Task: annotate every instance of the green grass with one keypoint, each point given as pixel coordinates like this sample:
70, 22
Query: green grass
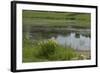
47, 50
40, 18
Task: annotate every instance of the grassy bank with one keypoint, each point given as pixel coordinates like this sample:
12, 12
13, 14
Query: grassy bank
56, 19
48, 50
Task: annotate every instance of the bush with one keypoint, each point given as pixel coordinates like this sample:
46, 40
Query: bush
51, 50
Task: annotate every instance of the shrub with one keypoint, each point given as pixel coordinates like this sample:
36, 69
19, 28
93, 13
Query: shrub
51, 50
47, 48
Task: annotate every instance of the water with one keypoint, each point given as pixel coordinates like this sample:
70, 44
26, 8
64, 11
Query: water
77, 40
78, 43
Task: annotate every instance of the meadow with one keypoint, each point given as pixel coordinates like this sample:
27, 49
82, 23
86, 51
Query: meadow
41, 30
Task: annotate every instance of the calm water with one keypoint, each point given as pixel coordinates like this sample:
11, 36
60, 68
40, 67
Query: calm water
77, 40
78, 43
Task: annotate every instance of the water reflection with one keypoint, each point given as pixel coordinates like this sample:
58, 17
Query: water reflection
77, 40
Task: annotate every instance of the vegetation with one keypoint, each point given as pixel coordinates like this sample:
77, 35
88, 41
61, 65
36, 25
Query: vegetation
56, 19
48, 50
44, 22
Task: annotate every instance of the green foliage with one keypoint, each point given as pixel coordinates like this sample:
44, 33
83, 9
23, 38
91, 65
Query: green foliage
40, 18
47, 47
47, 50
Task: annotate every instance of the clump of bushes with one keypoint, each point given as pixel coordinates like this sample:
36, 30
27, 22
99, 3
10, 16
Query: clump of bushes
47, 48
51, 50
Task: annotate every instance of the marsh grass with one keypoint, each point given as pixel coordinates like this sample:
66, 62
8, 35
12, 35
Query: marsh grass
47, 50
53, 19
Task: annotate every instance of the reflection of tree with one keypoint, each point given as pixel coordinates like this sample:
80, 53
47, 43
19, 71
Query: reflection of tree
77, 35
86, 35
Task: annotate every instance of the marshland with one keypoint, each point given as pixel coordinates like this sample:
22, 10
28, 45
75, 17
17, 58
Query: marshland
55, 36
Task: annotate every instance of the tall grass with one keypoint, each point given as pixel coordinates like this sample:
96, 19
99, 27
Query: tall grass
47, 50
52, 19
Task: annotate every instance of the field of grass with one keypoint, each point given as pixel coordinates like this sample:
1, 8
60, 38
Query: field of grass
40, 18
47, 49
